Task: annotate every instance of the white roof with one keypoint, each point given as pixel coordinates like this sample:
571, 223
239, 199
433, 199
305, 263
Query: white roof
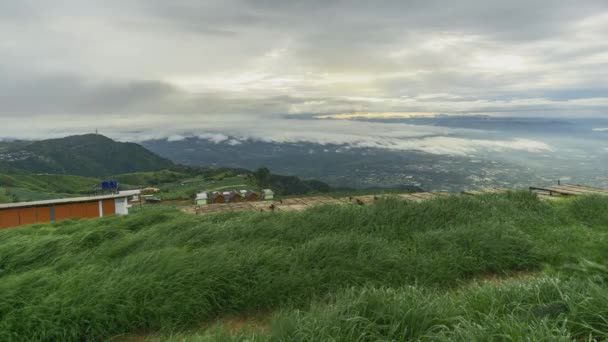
61, 201
201, 195
267, 191
129, 192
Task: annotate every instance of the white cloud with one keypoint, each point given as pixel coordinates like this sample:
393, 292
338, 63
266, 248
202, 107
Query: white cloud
156, 68
397, 137
175, 137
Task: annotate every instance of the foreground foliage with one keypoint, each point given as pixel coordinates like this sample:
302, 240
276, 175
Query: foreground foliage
392, 271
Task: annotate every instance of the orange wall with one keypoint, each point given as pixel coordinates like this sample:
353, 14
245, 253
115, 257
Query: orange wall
27, 215
21, 216
9, 218
63, 212
90, 209
43, 214
108, 207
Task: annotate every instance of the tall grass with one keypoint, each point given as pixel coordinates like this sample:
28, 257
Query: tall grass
161, 270
537, 307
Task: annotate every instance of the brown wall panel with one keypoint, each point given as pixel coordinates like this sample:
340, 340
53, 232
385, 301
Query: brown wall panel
63, 212
108, 207
91, 209
43, 214
9, 218
77, 210
27, 215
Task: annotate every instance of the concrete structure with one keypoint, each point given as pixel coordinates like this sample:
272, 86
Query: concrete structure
267, 194
133, 194
17, 214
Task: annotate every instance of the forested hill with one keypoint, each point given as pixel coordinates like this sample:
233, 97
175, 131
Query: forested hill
81, 155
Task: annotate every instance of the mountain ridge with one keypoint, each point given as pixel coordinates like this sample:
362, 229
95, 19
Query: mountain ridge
81, 155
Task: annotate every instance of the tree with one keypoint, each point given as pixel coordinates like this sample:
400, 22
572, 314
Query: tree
262, 177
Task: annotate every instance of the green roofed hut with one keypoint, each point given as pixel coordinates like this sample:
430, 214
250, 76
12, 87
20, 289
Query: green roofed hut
267, 194
201, 198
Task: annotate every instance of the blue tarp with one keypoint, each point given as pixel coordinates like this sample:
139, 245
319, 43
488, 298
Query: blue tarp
109, 185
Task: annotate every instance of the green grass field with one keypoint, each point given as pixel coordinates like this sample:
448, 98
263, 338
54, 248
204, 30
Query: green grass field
32, 187
495, 267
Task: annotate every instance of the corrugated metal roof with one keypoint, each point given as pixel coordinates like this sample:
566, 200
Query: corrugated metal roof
60, 201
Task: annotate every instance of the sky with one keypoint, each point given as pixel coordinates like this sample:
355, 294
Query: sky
158, 68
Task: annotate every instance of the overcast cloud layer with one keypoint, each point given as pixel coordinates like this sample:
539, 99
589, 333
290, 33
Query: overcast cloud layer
160, 68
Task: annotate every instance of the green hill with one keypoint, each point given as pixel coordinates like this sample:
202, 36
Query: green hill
494, 267
80, 155
19, 186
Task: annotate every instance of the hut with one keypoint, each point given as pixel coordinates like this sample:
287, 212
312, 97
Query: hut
201, 198
249, 196
217, 197
267, 194
232, 196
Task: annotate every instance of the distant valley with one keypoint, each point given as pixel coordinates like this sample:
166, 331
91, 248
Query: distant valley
343, 166
575, 154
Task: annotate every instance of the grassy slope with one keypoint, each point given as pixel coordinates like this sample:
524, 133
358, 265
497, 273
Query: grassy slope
394, 270
174, 185
29, 187
187, 188
183, 186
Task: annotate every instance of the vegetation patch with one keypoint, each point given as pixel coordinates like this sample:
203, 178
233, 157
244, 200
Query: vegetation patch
390, 271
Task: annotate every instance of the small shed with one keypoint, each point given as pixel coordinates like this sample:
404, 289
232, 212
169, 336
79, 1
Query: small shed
267, 194
201, 198
232, 196
217, 197
249, 196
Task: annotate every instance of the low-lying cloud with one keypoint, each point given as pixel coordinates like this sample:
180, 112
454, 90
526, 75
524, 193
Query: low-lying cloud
356, 134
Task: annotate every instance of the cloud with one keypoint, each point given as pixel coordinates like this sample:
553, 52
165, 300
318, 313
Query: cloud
356, 134
155, 66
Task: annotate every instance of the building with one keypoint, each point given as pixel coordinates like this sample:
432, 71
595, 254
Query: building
17, 214
133, 194
216, 197
249, 196
267, 194
232, 196
150, 190
201, 198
